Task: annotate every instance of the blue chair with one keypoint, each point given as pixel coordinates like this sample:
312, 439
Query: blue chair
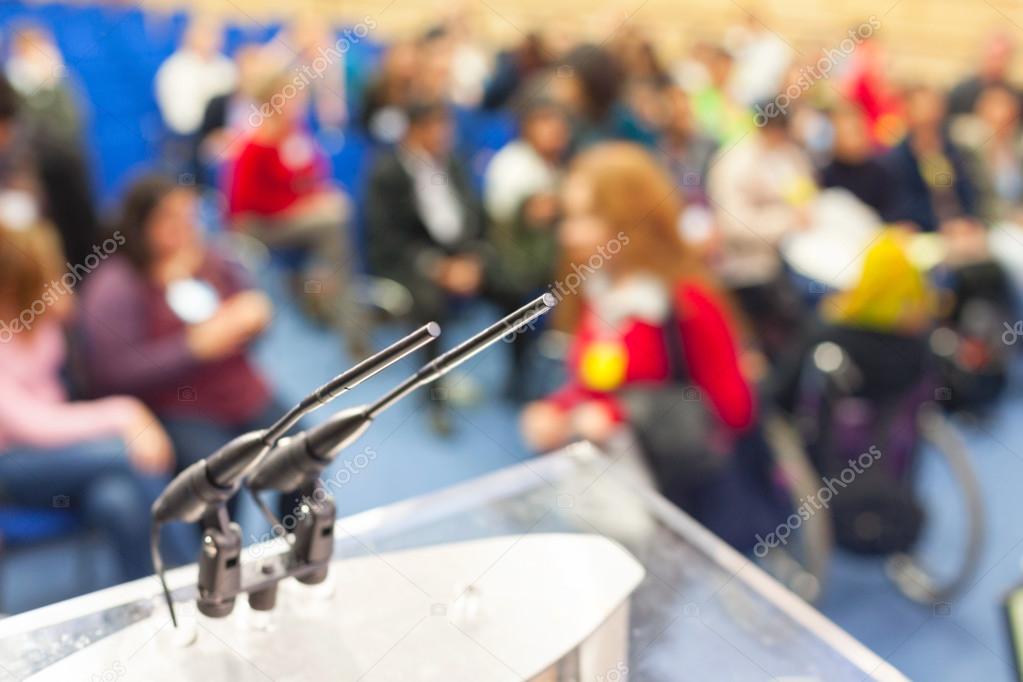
23, 529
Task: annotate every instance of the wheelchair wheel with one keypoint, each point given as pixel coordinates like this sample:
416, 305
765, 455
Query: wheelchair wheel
906, 571
801, 565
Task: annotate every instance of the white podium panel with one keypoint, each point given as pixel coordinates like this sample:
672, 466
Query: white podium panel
559, 568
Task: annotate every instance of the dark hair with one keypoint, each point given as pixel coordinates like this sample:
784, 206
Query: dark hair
423, 111
9, 102
140, 201
600, 75
538, 105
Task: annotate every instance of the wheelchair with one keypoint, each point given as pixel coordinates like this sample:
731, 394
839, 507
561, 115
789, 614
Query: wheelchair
875, 511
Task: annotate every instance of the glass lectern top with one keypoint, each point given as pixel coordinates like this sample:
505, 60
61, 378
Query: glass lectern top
701, 612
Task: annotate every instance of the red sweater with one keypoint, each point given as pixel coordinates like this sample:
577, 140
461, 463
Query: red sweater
269, 179
710, 347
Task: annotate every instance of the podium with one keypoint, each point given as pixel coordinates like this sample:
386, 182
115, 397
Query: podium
562, 568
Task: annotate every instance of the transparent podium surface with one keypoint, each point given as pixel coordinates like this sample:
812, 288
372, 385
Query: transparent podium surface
698, 610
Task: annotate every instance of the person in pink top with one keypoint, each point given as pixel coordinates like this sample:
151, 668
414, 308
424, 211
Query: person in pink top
104, 460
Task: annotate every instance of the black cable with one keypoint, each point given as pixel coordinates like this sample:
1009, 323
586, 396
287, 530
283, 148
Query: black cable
270, 517
154, 550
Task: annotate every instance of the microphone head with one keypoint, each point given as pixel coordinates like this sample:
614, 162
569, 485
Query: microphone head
338, 432
298, 460
226, 466
510, 324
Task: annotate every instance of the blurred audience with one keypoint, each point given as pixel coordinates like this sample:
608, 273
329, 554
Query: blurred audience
647, 196
280, 192
104, 460
170, 320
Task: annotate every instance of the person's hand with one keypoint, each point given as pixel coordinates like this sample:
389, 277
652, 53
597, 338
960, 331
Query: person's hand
149, 448
594, 421
236, 322
541, 209
461, 275
544, 426
966, 241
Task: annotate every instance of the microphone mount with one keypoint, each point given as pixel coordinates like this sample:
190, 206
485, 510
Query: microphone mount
201, 491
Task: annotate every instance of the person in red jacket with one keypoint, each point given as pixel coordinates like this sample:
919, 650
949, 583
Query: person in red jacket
625, 274
279, 191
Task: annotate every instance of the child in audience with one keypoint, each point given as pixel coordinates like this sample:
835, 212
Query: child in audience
103, 459
621, 246
170, 320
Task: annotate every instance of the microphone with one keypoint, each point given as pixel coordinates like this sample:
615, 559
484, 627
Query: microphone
300, 459
215, 479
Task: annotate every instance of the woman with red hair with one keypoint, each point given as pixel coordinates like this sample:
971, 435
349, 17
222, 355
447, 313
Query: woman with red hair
639, 306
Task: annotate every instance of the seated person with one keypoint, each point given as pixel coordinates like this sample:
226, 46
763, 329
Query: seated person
617, 200
280, 192
424, 221
936, 181
686, 152
170, 320
762, 189
196, 73
104, 459
881, 322
520, 192
994, 136
230, 118
854, 166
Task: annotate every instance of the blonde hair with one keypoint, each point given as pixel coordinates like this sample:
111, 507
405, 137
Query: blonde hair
634, 196
30, 258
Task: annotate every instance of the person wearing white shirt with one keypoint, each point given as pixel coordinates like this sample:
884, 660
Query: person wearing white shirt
192, 76
520, 188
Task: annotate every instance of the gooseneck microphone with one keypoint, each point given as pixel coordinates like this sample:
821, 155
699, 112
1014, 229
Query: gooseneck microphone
215, 479
200, 491
299, 460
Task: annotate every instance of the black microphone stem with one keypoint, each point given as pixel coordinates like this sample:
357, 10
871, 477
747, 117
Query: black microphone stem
435, 369
349, 379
